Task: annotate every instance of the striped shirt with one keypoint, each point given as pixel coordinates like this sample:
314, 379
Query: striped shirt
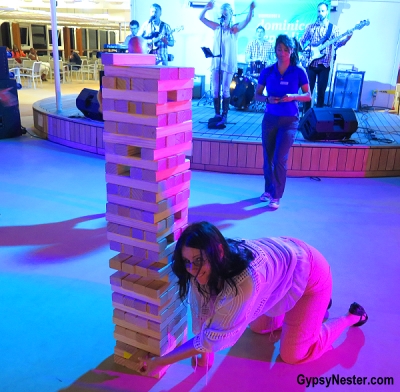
314, 33
260, 51
160, 49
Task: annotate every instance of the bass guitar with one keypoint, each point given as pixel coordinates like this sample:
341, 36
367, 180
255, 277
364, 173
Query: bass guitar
315, 52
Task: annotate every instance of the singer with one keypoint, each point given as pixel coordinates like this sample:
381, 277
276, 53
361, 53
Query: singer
158, 34
228, 51
316, 34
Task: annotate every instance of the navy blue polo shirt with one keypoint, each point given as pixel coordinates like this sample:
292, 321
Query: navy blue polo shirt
278, 85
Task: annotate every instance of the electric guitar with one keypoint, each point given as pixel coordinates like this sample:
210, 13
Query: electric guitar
154, 45
314, 52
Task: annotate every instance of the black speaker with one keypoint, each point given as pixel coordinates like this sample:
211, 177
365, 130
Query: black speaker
10, 119
328, 124
88, 104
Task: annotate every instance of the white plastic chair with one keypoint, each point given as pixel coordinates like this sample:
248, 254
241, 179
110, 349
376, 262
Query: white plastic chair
90, 69
78, 69
17, 74
27, 63
32, 73
64, 71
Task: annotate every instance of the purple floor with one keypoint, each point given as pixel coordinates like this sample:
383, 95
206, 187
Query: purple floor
56, 328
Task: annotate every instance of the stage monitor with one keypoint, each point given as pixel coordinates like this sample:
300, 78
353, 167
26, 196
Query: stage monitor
328, 124
88, 104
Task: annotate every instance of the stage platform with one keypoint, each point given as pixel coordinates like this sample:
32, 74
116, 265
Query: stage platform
372, 151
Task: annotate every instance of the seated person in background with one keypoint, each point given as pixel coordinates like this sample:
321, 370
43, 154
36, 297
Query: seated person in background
8, 52
44, 67
17, 54
134, 27
74, 58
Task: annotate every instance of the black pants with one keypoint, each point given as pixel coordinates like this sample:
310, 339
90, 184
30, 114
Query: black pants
322, 73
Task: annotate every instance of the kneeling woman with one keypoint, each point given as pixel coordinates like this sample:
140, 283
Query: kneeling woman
268, 283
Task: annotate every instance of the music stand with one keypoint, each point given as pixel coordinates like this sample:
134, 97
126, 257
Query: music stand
208, 94
207, 52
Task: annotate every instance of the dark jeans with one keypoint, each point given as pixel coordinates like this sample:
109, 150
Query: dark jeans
323, 77
278, 134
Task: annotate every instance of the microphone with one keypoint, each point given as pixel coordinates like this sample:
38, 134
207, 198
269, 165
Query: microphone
152, 17
222, 17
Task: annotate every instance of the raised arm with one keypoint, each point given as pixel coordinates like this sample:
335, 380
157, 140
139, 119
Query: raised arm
207, 22
244, 23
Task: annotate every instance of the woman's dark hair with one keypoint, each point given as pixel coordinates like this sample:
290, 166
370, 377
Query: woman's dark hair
204, 236
290, 44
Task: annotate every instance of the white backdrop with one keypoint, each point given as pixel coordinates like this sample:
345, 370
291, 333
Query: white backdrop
375, 49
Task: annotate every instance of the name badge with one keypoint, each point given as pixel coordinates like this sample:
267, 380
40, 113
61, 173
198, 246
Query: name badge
284, 83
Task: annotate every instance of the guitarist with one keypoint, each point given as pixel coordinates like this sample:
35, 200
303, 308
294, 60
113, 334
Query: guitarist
316, 34
159, 35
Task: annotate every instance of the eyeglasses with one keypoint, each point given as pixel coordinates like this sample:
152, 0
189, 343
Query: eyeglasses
195, 263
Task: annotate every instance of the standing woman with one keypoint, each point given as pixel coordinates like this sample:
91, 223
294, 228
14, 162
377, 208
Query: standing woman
268, 283
282, 80
228, 53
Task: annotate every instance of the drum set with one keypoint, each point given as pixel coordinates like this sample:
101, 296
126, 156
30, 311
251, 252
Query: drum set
243, 86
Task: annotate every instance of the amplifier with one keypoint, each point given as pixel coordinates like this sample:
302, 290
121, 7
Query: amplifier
347, 89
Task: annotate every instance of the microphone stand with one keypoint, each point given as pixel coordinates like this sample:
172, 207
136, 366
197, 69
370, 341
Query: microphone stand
331, 80
220, 61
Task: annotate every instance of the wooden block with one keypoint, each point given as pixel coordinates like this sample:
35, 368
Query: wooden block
151, 72
112, 189
159, 97
108, 104
121, 106
132, 364
112, 227
186, 73
171, 118
154, 155
129, 281
153, 109
167, 85
117, 277
123, 83
128, 265
119, 314
138, 204
137, 107
157, 247
116, 261
109, 82
138, 84
155, 288
158, 121
180, 95
122, 59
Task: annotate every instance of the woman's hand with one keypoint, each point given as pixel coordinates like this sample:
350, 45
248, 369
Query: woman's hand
147, 365
210, 5
273, 100
287, 98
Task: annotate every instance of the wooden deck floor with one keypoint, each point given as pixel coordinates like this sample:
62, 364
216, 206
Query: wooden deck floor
372, 151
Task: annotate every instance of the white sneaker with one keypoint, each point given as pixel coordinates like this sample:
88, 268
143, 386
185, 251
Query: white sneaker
274, 203
265, 197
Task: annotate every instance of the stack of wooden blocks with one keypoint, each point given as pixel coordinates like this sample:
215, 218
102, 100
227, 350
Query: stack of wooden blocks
147, 136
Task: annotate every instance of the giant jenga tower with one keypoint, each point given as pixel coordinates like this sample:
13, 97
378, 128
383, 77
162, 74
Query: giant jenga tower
147, 135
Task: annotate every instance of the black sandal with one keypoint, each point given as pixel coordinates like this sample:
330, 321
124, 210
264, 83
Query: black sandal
358, 310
